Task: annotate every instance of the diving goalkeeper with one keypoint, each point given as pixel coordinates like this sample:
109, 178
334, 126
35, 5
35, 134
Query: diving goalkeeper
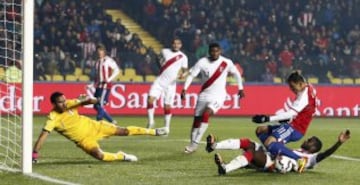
85, 132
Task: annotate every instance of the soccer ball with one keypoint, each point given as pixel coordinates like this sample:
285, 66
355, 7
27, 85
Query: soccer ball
284, 164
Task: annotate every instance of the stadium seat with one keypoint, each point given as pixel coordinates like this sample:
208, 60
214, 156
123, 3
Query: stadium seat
277, 80
48, 77
357, 80
313, 80
57, 78
84, 78
150, 78
138, 78
130, 72
335, 80
348, 81
2, 73
78, 72
71, 78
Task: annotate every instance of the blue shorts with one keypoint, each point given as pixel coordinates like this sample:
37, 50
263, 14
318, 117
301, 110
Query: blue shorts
102, 95
284, 133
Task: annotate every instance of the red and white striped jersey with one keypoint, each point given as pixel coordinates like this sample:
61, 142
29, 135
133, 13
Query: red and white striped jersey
173, 62
106, 71
214, 74
305, 106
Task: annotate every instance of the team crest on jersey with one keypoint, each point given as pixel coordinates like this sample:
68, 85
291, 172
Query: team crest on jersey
222, 69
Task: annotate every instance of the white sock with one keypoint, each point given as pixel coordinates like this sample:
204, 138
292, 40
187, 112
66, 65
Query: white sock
239, 162
151, 116
202, 129
229, 144
193, 134
167, 120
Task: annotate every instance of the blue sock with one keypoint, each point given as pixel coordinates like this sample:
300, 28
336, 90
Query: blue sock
101, 113
262, 136
277, 148
107, 116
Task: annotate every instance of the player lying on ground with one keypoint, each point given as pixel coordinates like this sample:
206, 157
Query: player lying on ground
256, 155
86, 132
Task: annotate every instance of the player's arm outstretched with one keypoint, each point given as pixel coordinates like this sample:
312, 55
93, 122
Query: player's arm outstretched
83, 99
342, 138
38, 144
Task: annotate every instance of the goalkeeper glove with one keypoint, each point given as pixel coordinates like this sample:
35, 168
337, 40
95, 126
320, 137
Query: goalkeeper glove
260, 118
35, 157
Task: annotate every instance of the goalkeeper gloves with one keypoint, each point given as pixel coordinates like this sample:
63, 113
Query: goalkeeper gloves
260, 118
35, 157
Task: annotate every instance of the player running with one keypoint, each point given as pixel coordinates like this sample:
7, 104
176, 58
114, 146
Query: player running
298, 117
256, 155
85, 132
106, 71
214, 70
174, 64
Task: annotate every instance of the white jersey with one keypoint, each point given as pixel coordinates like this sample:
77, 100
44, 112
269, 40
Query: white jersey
311, 162
173, 62
214, 75
106, 71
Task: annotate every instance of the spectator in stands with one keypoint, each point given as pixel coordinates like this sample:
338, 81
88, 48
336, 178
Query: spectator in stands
39, 69
286, 58
67, 66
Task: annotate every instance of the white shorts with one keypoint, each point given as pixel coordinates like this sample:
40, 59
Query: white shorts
169, 92
205, 101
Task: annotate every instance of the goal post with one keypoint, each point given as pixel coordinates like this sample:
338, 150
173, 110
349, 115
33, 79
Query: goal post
16, 85
27, 85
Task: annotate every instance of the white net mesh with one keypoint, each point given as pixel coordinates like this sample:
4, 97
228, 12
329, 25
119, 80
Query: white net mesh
10, 83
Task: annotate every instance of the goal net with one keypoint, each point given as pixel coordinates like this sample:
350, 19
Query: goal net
16, 91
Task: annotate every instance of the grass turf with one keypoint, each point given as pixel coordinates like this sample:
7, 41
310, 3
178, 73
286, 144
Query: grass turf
162, 161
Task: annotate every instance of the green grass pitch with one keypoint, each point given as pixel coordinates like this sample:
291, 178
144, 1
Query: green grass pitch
162, 161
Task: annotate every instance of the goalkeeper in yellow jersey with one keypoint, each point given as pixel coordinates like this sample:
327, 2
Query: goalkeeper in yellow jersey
84, 131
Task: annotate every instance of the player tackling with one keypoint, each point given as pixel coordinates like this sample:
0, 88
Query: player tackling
256, 155
295, 120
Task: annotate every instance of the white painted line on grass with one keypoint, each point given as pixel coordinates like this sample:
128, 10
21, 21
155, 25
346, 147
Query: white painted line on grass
39, 176
50, 179
345, 158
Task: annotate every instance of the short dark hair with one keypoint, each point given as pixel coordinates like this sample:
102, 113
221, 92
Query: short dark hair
214, 45
295, 77
176, 38
54, 96
317, 144
101, 47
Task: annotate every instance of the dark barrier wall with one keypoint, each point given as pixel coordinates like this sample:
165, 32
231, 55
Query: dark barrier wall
130, 99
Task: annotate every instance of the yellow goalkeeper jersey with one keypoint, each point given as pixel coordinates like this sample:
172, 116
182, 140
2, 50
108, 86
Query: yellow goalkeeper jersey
70, 124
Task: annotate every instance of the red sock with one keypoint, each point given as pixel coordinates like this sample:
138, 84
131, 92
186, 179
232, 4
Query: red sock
244, 143
248, 155
150, 105
205, 117
167, 111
